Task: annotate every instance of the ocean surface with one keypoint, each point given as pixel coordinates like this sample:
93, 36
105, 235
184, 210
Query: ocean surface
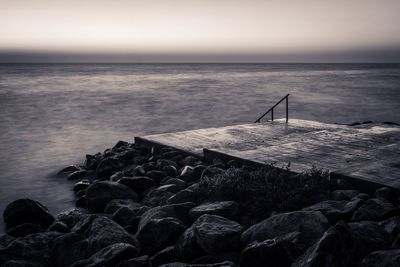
51, 115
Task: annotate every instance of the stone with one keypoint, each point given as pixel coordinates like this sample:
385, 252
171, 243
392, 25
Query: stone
187, 174
69, 248
27, 211
80, 202
372, 210
189, 160
19, 263
59, 226
156, 197
157, 176
142, 261
183, 196
231, 256
227, 209
92, 161
71, 217
176, 181
311, 225
139, 184
99, 194
109, 256
5, 240
169, 254
169, 188
82, 185
344, 194
81, 175
382, 258
69, 169
123, 216
170, 170
116, 204
24, 230
178, 211
385, 193
181, 264
107, 167
336, 210
161, 163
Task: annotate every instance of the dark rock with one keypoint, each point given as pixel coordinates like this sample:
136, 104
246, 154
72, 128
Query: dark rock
227, 209
385, 193
5, 240
108, 167
69, 169
142, 261
187, 174
81, 202
27, 211
116, 204
68, 249
218, 163
99, 194
181, 264
19, 263
116, 176
59, 226
310, 224
210, 172
109, 256
183, 196
189, 160
169, 188
161, 163
233, 164
157, 176
382, 258
24, 229
170, 170
372, 210
81, 175
169, 254
156, 197
218, 258
392, 226
150, 166
120, 144
139, 183
176, 181
133, 225
178, 211
71, 217
82, 185
92, 161
80, 193
363, 196
336, 210
123, 215
394, 212
344, 194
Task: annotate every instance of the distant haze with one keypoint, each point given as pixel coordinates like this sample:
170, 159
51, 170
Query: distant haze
199, 31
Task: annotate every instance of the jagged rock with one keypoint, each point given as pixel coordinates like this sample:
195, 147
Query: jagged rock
27, 211
372, 210
169, 254
33, 248
82, 185
107, 167
116, 204
139, 184
336, 210
227, 209
123, 216
81, 175
99, 194
157, 176
69, 169
59, 226
156, 197
24, 230
142, 261
71, 217
344, 194
183, 196
68, 249
176, 181
382, 258
311, 225
109, 256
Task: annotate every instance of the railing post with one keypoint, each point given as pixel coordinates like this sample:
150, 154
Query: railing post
272, 115
287, 109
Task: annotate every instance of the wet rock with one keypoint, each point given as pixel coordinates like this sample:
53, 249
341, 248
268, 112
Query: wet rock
81, 202
382, 258
27, 211
344, 194
189, 161
82, 185
99, 194
310, 224
139, 183
372, 210
156, 234
391, 225
385, 193
169, 188
218, 163
142, 261
210, 172
116, 204
178, 211
120, 144
336, 210
5, 240
176, 181
19, 263
92, 161
227, 209
71, 217
183, 196
157, 176
68, 249
24, 230
363, 196
107, 167
109, 256
123, 216
116, 176
81, 175
156, 197
170, 171
161, 163
169, 254
69, 169
187, 174
59, 226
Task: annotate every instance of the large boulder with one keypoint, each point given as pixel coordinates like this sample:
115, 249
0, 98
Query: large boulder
108, 166
109, 256
27, 211
336, 210
372, 210
116, 204
183, 196
156, 197
139, 183
311, 225
99, 194
382, 258
227, 209
68, 249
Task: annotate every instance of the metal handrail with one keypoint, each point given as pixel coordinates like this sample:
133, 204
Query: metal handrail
272, 109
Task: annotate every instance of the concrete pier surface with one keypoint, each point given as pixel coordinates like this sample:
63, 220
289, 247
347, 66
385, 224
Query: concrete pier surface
368, 152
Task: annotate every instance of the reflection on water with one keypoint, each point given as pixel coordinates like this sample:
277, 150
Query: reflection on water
51, 115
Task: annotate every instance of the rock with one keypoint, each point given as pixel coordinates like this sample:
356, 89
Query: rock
382, 258
24, 230
161, 163
344, 194
187, 174
116, 204
394, 212
99, 194
82, 185
181, 264
142, 261
150, 166
109, 256
107, 167
156, 197
157, 176
311, 225
92, 161
81, 202
34, 248
210, 172
216, 234
68, 249
71, 217
59, 227
116, 176
19, 263
363, 196
139, 183
104, 232
123, 216
81, 175
218, 163
5, 240
183, 196
230, 256
69, 169
27, 211
227, 209
385, 193
189, 160
176, 181
169, 188
169, 254
372, 210
120, 144
336, 210
198, 170
178, 211
266, 253
170, 171
392, 226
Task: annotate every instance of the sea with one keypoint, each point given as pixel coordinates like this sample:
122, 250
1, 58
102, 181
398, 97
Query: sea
51, 115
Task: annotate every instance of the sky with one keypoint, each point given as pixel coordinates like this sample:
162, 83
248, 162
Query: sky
199, 31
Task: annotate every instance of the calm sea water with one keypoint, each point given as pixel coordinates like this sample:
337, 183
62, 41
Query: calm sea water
51, 115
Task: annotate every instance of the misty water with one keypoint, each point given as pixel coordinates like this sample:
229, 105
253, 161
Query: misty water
51, 115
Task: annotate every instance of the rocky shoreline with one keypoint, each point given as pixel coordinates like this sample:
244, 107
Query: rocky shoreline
161, 207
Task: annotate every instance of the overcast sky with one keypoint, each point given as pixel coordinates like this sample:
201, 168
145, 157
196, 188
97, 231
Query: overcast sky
203, 30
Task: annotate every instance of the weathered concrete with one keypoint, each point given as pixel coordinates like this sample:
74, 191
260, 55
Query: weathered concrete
370, 152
